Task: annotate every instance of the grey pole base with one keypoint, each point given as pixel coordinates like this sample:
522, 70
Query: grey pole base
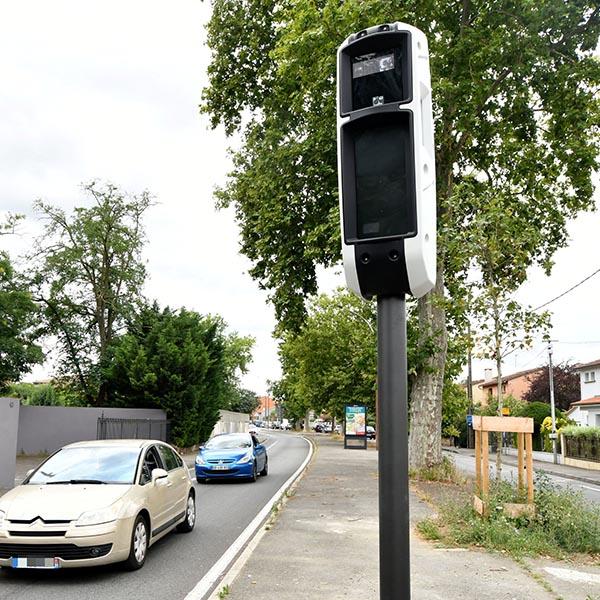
394, 524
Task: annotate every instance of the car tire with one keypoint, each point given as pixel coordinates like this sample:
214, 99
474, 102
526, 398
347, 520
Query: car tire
254, 475
265, 470
190, 515
140, 536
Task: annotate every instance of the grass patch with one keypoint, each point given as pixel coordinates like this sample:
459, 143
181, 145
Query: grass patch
444, 471
564, 523
429, 529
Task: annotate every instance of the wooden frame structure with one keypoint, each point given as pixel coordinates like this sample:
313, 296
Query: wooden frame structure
523, 427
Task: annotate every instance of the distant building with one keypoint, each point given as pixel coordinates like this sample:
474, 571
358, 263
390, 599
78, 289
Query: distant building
516, 384
586, 412
589, 379
265, 409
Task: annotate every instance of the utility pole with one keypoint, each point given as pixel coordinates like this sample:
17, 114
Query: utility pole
552, 407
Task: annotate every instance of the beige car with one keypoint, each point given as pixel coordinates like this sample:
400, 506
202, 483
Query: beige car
97, 502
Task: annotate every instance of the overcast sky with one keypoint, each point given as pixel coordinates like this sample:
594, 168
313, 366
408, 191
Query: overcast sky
110, 90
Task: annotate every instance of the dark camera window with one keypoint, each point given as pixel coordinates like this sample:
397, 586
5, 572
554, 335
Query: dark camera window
385, 203
377, 78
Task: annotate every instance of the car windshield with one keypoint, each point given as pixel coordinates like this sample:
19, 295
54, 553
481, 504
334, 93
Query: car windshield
225, 442
88, 464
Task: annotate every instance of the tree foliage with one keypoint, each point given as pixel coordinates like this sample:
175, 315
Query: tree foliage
245, 401
89, 276
19, 326
178, 361
516, 112
566, 386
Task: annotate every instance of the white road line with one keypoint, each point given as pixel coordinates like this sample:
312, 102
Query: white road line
589, 487
572, 575
218, 569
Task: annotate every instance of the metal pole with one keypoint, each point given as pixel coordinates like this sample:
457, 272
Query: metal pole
470, 431
552, 408
394, 525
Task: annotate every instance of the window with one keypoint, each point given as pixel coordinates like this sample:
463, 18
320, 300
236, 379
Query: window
589, 377
169, 459
151, 461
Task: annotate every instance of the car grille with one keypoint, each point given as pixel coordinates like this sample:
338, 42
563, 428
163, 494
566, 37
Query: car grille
46, 533
64, 551
45, 521
224, 461
220, 472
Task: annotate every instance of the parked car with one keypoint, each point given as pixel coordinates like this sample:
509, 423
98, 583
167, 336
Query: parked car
93, 503
236, 455
371, 433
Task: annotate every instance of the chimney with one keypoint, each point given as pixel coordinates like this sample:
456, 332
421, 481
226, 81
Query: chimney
487, 374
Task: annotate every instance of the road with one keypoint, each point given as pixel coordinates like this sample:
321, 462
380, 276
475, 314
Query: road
466, 464
178, 562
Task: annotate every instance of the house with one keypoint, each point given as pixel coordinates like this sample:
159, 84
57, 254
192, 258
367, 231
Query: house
586, 412
265, 409
589, 379
516, 384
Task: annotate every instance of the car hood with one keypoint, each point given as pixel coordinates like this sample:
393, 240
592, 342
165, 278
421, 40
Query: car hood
58, 502
223, 454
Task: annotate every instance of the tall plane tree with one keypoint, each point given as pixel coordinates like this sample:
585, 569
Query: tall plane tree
515, 89
89, 277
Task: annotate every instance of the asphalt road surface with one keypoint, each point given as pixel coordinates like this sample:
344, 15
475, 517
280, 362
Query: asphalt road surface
467, 465
177, 562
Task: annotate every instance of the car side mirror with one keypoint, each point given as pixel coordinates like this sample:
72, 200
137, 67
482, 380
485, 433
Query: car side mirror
159, 476
201, 448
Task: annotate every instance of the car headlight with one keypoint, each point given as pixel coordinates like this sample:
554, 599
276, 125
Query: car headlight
96, 517
200, 460
2, 519
246, 458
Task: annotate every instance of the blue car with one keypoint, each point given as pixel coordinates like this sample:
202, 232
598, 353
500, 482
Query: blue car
235, 455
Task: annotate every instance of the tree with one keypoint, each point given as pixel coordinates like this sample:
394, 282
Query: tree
88, 278
454, 409
245, 402
515, 102
178, 361
332, 360
566, 386
19, 326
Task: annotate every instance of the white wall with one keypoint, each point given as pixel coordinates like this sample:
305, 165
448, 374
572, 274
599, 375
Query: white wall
589, 382
231, 422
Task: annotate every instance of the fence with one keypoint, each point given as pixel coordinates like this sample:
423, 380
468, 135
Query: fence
138, 429
582, 447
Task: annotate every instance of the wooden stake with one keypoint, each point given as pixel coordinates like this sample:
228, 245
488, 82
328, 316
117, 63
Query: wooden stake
485, 482
521, 462
529, 449
478, 461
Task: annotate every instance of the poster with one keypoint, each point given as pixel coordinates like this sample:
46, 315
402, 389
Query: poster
356, 420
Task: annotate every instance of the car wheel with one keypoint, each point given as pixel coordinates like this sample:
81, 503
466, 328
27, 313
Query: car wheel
139, 544
254, 475
190, 516
265, 470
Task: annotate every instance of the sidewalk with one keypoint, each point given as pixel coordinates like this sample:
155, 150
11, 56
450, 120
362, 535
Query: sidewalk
576, 473
324, 544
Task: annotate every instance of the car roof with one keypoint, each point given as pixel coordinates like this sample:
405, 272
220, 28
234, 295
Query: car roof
114, 443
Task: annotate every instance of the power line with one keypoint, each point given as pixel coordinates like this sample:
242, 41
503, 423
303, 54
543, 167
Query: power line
569, 290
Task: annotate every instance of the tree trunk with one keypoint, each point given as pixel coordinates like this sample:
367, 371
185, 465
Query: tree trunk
425, 440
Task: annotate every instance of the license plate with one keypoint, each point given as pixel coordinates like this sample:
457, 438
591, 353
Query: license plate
220, 467
33, 562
